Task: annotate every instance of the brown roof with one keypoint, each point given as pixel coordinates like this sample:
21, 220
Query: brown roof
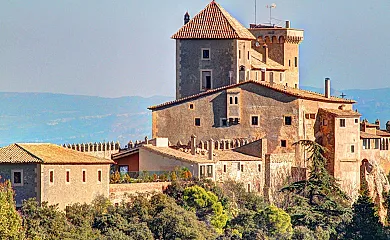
364, 135
219, 155
257, 62
46, 153
382, 133
213, 22
124, 153
295, 92
342, 113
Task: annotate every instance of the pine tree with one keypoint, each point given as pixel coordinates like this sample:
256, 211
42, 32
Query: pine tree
365, 222
317, 201
10, 220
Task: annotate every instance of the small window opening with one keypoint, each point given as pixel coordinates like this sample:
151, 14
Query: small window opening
84, 176
235, 100
342, 122
231, 100
287, 120
197, 122
224, 168
352, 148
255, 120
51, 176
191, 106
283, 143
67, 176
206, 53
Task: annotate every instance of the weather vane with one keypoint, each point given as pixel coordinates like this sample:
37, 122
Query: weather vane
273, 5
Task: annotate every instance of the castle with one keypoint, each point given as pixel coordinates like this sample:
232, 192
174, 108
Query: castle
237, 89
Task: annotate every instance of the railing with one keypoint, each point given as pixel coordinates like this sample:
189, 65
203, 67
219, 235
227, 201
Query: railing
149, 176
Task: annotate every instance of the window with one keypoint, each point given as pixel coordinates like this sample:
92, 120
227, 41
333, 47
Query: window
281, 77
67, 176
238, 166
307, 116
99, 176
312, 116
271, 77
366, 144
376, 143
356, 120
352, 148
324, 122
296, 85
84, 176
249, 56
231, 100
239, 54
296, 62
205, 54
51, 176
235, 100
257, 78
191, 106
206, 80
17, 177
209, 170
202, 171
259, 167
283, 143
242, 167
287, 120
224, 168
255, 121
197, 122
289, 63
249, 187
286, 84
342, 122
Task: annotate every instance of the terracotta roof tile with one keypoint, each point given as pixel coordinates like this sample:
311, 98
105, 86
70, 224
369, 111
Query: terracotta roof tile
342, 113
46, 153
382, 133
299, 93
219, 155
213, 22
364, 135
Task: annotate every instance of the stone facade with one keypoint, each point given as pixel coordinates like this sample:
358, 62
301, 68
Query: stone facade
29, 187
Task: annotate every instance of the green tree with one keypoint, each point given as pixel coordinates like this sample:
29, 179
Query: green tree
10, 221
365, 222
206, 205
317, 201
274, 221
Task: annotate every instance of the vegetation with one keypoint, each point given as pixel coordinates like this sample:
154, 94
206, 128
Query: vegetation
315, 208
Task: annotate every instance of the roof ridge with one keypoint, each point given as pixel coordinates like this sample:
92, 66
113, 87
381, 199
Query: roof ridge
29, 153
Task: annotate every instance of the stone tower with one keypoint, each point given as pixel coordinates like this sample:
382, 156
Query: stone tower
283, 48
211, 48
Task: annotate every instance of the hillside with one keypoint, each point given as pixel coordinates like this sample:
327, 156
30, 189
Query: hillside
59, 118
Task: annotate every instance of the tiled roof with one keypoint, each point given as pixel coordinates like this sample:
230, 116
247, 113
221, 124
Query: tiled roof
364, 135
15, 154
124, 153
299, 93
213, 22
46, 153
382, 133
257, 62
219, 155
342, 113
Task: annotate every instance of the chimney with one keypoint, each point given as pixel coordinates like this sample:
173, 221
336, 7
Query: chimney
193, 144
186, 18
287, 24
388, 126
327, 87
377, 122
265, 55
211, 149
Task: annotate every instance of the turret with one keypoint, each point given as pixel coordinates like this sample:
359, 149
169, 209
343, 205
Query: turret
186, 18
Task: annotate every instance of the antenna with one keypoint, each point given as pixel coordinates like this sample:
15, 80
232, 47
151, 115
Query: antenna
273, 5
255, 12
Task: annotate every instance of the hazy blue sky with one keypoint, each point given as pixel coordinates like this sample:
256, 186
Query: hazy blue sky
116, 48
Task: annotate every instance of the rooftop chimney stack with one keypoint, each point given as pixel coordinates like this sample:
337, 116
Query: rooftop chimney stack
287, 24
186, 18
265, 55
193, 144
327, 87
211, 149
388, 126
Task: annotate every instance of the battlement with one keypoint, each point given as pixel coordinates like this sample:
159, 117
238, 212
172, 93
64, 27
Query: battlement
97, 149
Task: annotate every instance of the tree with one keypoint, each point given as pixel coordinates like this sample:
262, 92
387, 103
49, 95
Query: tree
274, 221
365, 222
10, 220
317, 201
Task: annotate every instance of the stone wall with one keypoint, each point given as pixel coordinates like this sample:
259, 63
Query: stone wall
63, 193
177, 121
29, 187
97, 149
120, 192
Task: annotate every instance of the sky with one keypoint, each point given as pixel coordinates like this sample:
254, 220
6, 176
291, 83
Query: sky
123, 47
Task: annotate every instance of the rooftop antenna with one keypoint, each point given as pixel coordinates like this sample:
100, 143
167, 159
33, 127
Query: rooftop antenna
273, 5
255, 12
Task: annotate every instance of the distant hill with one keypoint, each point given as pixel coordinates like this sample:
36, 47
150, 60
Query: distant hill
59, 118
